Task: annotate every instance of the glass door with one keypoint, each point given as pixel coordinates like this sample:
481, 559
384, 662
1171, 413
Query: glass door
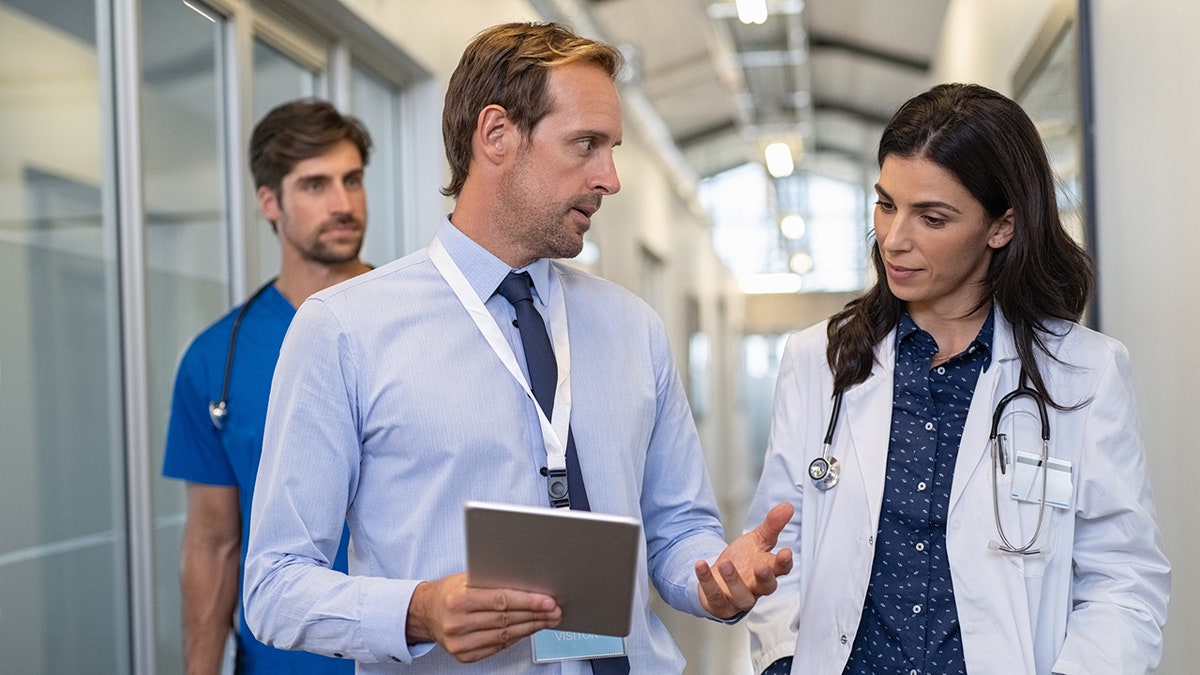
63, 564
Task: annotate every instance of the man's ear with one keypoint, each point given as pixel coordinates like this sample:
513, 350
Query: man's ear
495, 134
1002, 230
268, 201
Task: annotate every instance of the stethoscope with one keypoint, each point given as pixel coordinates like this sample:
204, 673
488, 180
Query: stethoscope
219, 410
826, 470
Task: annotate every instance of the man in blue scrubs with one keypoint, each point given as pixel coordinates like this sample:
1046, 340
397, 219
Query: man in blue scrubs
307, 160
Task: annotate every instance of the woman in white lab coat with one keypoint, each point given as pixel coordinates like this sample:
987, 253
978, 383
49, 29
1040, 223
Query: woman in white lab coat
920, 546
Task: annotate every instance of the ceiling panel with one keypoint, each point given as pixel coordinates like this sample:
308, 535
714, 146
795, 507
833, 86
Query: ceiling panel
829, 72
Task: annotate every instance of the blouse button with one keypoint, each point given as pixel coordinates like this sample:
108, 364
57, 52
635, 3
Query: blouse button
916, 609
941, 370
929, 426
921, 486
920, 546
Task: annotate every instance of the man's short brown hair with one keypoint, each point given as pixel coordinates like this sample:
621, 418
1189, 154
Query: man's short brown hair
300, 130
507, 65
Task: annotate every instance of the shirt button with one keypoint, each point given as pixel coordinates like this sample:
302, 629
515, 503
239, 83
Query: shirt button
844, 639
914, 671
941, 370
920, 546
929, 426
916, 609
921, 486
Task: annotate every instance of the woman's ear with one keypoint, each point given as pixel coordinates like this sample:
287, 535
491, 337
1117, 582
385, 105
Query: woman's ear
1002, 230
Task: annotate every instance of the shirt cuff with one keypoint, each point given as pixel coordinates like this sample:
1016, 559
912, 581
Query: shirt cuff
383, 629
731, 620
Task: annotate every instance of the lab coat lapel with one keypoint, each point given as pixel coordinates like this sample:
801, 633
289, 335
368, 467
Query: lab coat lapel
869, 427
974, 452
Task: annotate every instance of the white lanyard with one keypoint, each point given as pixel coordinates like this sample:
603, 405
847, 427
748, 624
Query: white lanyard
553, 435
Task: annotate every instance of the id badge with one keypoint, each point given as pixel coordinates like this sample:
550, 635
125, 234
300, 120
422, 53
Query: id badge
1027, 480
556, 645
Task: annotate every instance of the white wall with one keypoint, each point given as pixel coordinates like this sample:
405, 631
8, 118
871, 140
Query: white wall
1147, 148
1146, 167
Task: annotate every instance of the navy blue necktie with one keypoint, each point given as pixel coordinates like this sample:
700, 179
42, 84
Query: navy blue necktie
543, 379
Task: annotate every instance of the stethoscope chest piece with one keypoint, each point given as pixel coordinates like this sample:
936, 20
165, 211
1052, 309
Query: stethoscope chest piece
824, 472
219, 410
217, 413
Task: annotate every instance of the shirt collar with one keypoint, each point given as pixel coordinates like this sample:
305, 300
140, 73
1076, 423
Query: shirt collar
484, 271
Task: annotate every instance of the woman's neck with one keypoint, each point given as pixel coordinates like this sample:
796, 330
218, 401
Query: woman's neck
953, 334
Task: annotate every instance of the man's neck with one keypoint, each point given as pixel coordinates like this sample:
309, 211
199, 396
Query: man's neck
297, 282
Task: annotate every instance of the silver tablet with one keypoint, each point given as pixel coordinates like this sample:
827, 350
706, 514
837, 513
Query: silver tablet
587, 561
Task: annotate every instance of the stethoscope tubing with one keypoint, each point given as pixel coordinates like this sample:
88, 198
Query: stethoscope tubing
219, 410
825, 470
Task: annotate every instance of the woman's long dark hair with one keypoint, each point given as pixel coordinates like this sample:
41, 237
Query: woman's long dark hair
991, 146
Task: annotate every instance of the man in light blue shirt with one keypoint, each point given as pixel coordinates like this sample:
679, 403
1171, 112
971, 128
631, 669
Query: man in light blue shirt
403, 393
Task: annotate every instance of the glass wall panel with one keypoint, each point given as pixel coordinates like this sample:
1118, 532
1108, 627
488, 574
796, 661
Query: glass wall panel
63, 569
278, 78
187, 270
377, 104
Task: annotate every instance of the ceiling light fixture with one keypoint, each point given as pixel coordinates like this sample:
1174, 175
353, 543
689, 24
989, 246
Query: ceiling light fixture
792, 226
800, 263
752, 11
779, 160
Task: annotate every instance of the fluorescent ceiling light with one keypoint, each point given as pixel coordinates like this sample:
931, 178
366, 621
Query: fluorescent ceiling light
792, 226
752, 11
800, 263
779, 160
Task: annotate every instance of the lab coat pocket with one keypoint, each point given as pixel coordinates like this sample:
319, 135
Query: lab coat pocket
1027, 526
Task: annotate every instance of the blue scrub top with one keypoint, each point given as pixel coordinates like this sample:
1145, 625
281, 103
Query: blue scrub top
198, 452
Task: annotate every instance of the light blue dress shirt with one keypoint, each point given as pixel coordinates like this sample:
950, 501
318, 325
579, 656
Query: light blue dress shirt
389, 410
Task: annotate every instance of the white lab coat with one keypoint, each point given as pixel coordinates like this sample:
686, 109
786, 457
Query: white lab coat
1095, 603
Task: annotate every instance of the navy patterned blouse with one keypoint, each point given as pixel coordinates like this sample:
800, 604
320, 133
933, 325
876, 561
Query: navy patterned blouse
909, 622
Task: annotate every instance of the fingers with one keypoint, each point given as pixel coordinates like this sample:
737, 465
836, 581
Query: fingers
747, 569
783, 562
487, 621
483, 634
772, 525
474, 623
727, 595
712, 595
